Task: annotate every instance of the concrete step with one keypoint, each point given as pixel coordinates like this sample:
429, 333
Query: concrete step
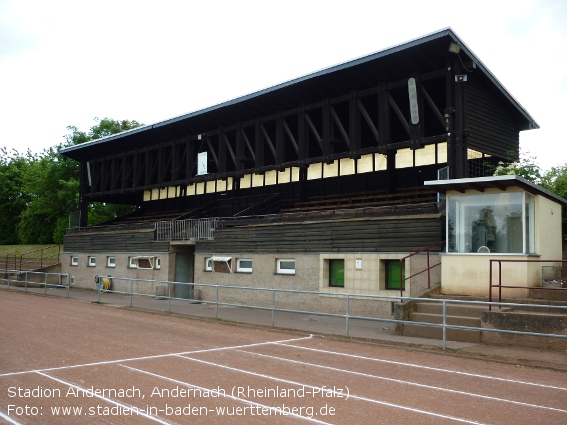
451, 320
461, 335
451, 309
456, 314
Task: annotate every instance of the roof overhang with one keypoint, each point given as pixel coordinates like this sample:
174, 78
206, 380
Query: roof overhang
480, 184
350, 75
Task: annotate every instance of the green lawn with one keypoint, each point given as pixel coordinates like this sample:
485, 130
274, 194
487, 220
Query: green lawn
17, 250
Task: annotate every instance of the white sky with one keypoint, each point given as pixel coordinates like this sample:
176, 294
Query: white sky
66, 62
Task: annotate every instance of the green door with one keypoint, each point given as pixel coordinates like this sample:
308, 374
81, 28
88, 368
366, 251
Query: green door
393, 274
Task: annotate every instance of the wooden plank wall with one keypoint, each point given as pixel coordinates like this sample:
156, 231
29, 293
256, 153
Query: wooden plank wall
492, 129
400, 234
119, 241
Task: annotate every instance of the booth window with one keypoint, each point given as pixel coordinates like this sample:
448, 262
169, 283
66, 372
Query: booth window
92, 261
74, 260
497, 223
209, 264
111, 262
337, 273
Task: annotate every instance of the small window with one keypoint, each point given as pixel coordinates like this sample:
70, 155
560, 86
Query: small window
244, 266
132, 263
111, 262
393, 274
74, 260
209, 264
158, 263
286, 266
92, 261
337, 273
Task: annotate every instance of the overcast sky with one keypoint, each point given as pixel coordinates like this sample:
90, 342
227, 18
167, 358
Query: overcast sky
66, 62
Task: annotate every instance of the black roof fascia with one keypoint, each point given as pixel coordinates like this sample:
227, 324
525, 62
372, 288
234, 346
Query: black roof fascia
72, 151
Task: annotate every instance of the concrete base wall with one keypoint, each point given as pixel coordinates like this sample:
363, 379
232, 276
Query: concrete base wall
527, 322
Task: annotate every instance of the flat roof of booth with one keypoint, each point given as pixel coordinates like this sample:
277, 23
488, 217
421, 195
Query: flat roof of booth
480, 184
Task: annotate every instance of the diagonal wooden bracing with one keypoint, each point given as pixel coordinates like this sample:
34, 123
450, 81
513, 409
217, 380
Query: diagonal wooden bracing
374, 120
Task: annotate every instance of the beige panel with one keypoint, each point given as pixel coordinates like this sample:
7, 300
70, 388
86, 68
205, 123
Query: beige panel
221, 185
365, 164
155, 194
229, 183
315, 171
331, 170
163, 193
147, 195
211, 186
257, 180
380, 162
295, 174
190, 189
425, 156
284, 176
442, 153
271, 177
172, 192
347, 166
472, 154
245, 181
200, 188
404, 158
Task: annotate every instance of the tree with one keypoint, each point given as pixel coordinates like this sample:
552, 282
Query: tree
12, 199
521, 164
50, 187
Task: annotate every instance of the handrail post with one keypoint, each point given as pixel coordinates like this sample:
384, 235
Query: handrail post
428, 272
401, 283
169, 297
490, 285
273, 306
444, 324
68, 280
500, 283
347, 314
131, 291
216, 302
45, 283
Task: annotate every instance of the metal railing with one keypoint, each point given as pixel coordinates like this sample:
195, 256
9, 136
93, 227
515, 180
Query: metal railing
198, 229
347, 299
500, 286
428, 269
42, 257
30, 279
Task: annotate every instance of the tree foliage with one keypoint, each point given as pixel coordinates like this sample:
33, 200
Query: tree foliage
39, 191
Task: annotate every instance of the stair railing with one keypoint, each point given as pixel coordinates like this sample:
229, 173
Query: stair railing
428, 269
500, 286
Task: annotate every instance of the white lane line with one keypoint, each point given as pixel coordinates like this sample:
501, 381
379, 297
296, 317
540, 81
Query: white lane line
436, 369
133, 410
158, 356
337, 394
243, 400
9, 419
415, 384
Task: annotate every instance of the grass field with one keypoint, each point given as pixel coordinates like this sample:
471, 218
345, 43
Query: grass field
17, 250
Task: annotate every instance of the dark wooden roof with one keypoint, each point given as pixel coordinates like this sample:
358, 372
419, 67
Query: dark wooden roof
424, 54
